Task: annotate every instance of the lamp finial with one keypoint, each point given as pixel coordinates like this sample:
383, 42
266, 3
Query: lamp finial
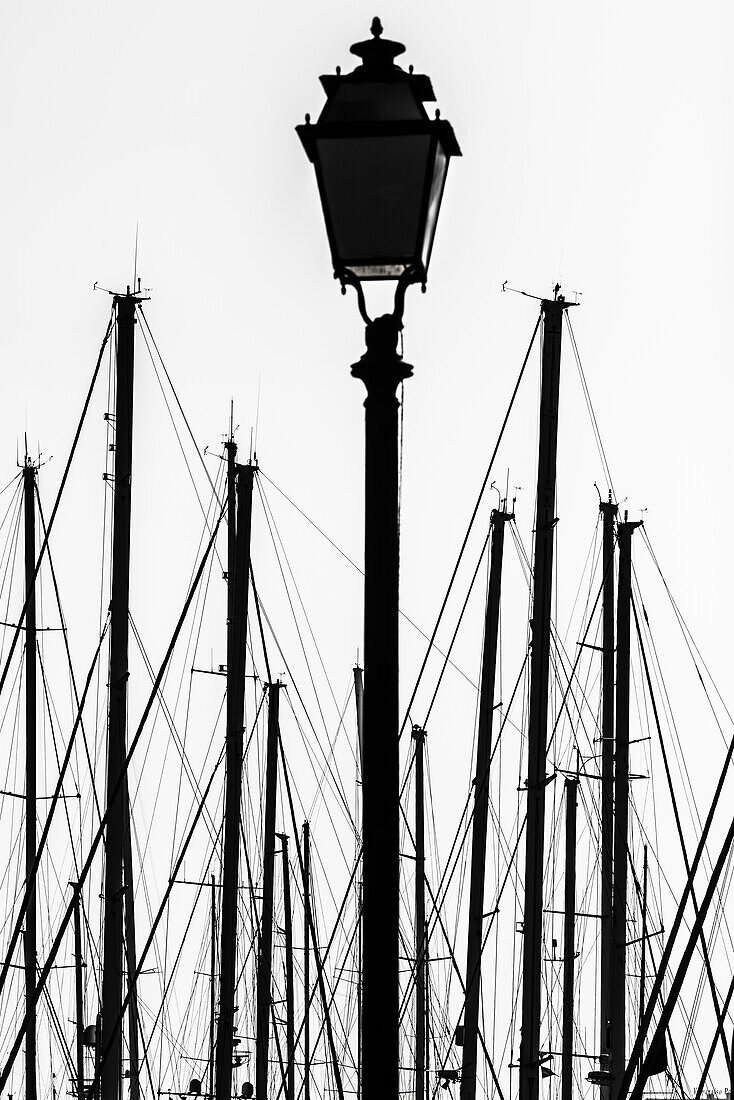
377, 52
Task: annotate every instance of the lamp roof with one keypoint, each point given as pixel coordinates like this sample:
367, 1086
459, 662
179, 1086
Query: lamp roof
378, 66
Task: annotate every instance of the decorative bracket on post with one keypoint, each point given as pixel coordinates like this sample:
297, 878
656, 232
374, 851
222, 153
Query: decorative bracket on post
348, 278
381, 365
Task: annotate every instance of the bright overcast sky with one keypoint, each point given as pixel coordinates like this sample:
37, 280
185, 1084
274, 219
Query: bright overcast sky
597, 152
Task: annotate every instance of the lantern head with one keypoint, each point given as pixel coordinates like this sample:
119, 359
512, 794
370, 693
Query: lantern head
380, 165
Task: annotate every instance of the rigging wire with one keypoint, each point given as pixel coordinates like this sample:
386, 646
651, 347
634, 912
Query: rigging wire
170, 721
161, 909
589, 405
204, 511
679, 751
68, 653
4, 1074
469, 527
10, 549
456, 631
667, 1007
359, 570
273, 532
681, 839
693, 649
62, 485
320, 959
180, 406
343, 801
44, 835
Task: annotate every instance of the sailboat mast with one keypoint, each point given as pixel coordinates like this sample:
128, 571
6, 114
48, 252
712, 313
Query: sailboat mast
427, 1002
238, 587
359, 992
306, 961
621, 808
265, 960
569, 940
609, 514
212, 985
131, 953
29, 940
290, 1029
419, 736
116, 905
359, 701
643, 938
545, 522
481, 809
79, 992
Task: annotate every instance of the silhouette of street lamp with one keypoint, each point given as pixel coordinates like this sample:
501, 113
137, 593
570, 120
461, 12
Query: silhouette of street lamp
381, 167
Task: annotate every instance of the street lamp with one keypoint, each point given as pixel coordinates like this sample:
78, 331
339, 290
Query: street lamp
380, 166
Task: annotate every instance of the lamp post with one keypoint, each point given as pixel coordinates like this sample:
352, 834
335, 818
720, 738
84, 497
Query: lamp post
381, 167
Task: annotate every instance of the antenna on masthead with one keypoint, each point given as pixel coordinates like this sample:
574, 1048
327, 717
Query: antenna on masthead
557, 296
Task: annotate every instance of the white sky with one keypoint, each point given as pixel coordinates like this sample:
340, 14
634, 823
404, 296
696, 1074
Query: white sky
597, 151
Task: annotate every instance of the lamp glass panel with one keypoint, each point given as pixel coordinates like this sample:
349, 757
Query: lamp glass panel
372, 192
440, 165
